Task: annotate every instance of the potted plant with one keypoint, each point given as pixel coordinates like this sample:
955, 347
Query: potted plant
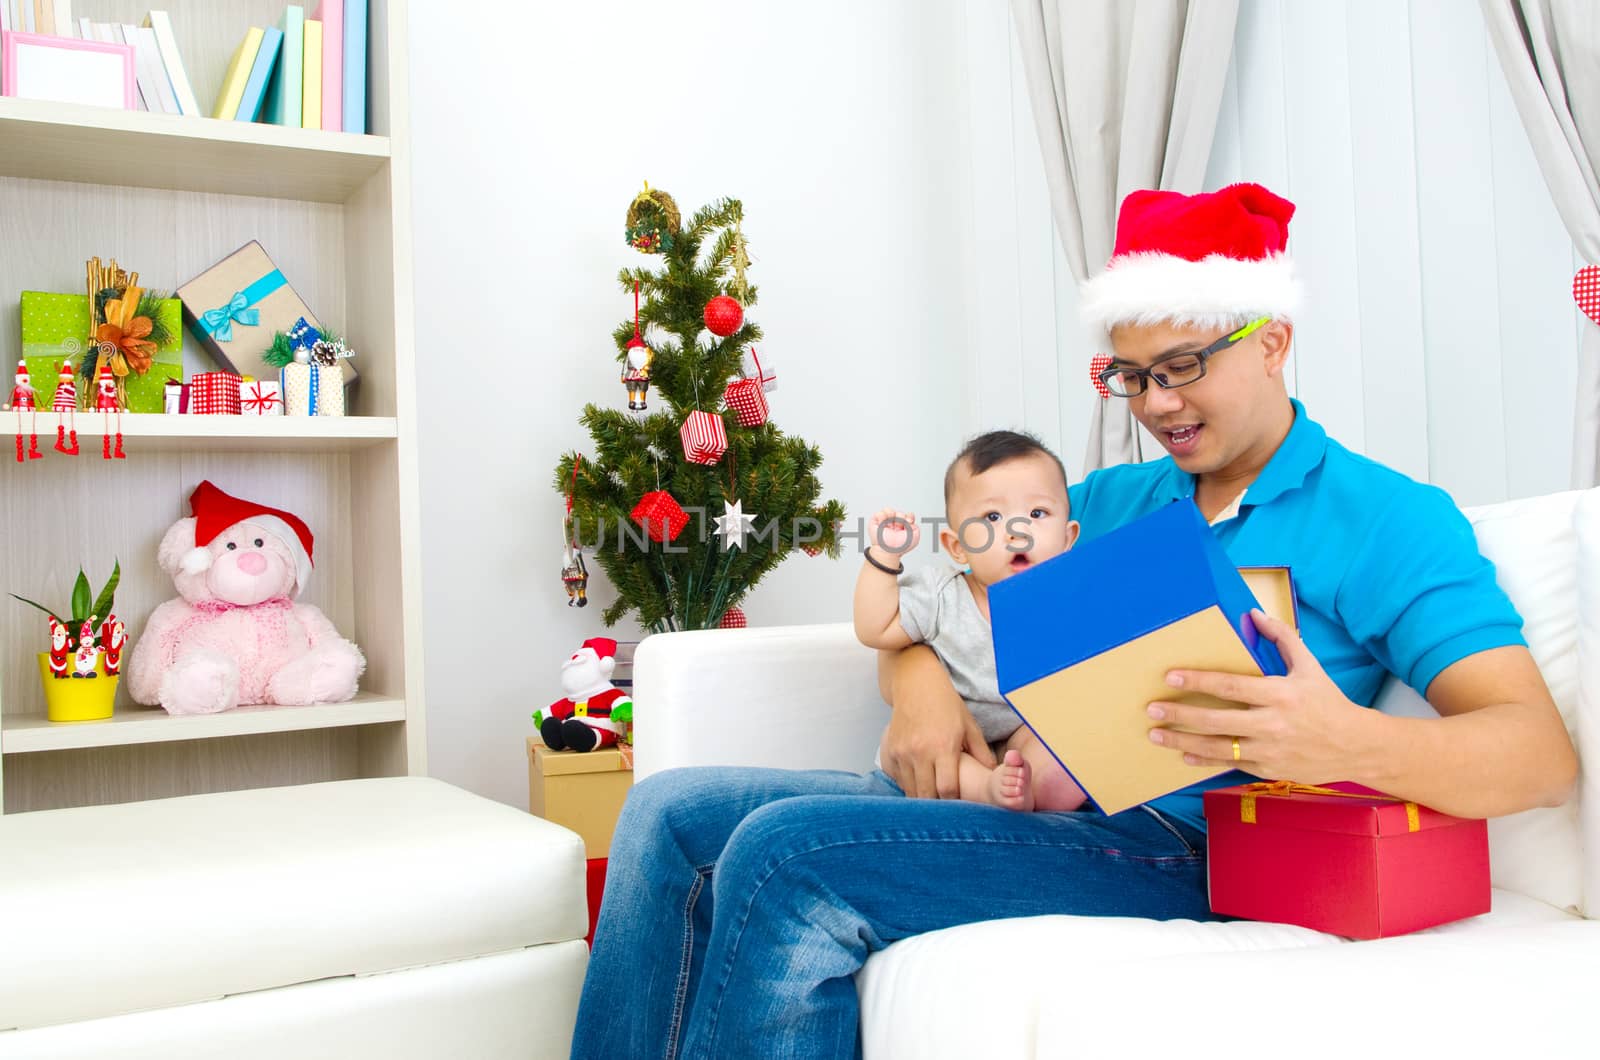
80, 670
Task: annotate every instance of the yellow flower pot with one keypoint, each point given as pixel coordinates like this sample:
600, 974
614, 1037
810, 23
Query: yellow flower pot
78, 698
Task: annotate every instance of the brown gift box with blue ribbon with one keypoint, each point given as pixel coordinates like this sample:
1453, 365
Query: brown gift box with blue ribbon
235, 307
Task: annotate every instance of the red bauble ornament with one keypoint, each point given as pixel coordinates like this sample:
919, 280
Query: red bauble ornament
733, 618
662, 517
723, 315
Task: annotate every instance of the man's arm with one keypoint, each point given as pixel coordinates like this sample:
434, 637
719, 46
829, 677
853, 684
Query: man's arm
929, 727
1500, 745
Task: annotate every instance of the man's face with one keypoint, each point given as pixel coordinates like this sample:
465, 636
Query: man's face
1209, 424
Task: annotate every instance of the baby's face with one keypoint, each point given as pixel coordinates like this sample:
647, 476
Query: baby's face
1010, 517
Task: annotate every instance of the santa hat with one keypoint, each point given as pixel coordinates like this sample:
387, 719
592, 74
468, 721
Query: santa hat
604, 647
215, 511
22, 371
1209, 260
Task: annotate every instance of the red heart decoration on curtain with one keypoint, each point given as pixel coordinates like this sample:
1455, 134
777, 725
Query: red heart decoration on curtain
1099, 364
1586, 291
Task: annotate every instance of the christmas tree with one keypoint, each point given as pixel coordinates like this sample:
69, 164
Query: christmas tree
691, 494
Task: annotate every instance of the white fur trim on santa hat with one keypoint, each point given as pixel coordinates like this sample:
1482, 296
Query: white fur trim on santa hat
1215, 292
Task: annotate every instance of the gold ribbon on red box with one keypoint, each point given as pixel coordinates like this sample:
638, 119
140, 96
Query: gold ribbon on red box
1279, 788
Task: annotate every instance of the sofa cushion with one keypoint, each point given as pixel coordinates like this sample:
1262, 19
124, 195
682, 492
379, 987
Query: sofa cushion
1534, 545
147, 904
922, 997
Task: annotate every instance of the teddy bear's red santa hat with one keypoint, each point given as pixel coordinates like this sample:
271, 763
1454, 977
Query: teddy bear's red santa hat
215, 511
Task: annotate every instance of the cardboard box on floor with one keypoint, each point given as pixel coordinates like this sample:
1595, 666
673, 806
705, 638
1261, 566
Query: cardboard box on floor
583, 791
1084, 641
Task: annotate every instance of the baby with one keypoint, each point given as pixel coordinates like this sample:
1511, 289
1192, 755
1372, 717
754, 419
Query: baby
1005, 498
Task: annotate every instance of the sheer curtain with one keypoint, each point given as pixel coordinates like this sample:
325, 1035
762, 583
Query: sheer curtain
1125, 96
1550, 51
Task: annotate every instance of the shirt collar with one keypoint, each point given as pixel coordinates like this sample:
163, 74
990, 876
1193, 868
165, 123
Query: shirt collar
1300, 452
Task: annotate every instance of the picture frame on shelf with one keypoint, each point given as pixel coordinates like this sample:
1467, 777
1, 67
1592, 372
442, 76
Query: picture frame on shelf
66, 70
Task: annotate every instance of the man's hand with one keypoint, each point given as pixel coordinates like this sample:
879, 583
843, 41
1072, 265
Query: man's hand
929, 728
1299, 727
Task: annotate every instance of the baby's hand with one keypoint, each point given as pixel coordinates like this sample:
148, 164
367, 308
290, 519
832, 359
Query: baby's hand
893, 531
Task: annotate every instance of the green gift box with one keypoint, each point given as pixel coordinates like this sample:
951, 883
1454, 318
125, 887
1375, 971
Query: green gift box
55, 327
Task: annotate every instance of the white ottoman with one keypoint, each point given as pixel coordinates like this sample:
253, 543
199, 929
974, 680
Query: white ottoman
396, 917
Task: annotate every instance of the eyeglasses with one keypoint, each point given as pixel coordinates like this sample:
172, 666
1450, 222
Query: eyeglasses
1174, 370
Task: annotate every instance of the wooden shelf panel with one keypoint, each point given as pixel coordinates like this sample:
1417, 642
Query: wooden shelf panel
101, 145
27, 733
150, 432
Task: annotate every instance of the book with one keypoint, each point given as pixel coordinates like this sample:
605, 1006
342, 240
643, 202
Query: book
65, 25
331, 12
149, 72
355, 66
115, 35
255, 88
284, 106
172, 61
44, 16
25, 13
311, 85
239, 67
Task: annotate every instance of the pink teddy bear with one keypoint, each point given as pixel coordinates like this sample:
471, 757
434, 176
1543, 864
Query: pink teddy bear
235, 636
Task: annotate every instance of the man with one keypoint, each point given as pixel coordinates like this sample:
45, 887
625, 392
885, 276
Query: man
741, 902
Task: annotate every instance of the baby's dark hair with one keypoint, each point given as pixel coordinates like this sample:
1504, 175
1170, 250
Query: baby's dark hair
991, 449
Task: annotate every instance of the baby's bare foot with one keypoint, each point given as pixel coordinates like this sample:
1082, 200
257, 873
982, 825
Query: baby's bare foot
1011, 783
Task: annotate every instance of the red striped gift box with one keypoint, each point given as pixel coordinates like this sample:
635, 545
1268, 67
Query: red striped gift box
745, 398
214, 394
705, 439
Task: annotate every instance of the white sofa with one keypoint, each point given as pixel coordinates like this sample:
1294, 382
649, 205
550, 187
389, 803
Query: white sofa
394, 918
1518, 981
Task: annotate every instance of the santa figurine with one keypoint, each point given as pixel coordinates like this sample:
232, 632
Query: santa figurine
65, 406
636, 375
88, 654
22, 394
114, 638
595, 712
59, 652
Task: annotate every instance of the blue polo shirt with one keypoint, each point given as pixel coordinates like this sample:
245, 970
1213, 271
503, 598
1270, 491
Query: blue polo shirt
1388, 572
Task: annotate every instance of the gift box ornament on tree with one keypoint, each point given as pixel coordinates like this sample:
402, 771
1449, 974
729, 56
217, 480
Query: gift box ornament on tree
704, 437
758, 366
748, 402
662, 517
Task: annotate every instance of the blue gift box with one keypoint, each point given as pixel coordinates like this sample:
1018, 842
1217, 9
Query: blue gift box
1084, 641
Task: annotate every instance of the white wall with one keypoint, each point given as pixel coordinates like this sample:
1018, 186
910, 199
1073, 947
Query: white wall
841, 127
1440, 335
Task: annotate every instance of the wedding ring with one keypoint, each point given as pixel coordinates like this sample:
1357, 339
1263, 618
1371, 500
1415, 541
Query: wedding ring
1236, 755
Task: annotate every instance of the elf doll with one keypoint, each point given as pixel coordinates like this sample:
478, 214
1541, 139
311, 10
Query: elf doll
594, 712
65, 406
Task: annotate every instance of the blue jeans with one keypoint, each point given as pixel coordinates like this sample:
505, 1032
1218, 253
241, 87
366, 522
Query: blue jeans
740, 903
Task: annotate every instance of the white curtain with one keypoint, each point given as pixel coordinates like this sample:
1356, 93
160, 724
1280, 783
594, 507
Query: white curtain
1550, 51
1125, 96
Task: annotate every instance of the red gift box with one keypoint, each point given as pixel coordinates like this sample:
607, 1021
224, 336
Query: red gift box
1343, 859
745, 398
662, 517
214, 394
704, 437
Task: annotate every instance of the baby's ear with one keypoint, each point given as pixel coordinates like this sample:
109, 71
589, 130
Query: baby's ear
951, 542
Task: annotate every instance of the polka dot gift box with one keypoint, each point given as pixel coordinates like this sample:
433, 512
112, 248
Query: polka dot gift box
55, 328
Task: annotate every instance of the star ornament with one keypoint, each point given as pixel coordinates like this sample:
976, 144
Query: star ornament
734, 523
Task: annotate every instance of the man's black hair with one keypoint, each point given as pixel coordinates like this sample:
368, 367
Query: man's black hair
993, 448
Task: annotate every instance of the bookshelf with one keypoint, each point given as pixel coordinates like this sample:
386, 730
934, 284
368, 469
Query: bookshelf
169, 196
